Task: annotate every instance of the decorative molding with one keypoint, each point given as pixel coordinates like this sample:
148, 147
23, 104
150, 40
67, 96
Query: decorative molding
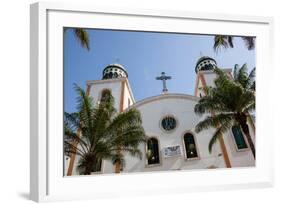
165, 96
227, 70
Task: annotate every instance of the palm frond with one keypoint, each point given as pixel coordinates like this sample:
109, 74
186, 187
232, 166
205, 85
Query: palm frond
102, 117
236, 71
215, 121
222, 128
133, 151
249, 42
218, 134
220, 41
251, 82
104, 133
207, 104
71, 120
73, 137
73, 149
83, 37
250, 107
241, 75
230, 41
129, 117
86, 112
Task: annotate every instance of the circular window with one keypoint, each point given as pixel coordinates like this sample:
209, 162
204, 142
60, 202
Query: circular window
169, 123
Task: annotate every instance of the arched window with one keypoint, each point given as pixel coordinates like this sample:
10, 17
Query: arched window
239, 138
190, 146
152, 153
105, 95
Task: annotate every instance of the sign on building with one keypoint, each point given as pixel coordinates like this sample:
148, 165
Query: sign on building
172, 151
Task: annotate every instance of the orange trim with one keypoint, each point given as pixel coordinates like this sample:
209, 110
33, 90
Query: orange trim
222, 144
129, 89
203, 81
73, 155
224, 152
196, 85
121, 106
88, 89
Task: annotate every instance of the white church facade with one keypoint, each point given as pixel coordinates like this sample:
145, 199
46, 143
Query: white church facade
169, 122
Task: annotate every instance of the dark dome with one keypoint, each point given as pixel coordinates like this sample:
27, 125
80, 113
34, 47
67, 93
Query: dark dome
114, 71
205, 63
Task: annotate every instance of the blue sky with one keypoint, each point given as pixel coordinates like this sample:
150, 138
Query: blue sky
144, 55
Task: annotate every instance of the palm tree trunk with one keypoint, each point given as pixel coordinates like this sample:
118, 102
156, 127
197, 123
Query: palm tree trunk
117, 167
118, 164
89, 167
252, 146
245, 129
88, 170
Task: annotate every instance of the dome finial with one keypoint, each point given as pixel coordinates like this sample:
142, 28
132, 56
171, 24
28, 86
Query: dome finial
205, 63
114, 71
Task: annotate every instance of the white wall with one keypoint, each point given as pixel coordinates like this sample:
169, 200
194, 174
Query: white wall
14, 104
182, 110
113, 85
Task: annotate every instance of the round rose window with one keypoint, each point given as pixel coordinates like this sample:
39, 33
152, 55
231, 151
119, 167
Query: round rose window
168, 123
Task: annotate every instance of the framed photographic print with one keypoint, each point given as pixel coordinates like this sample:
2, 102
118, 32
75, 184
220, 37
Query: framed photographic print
128, 102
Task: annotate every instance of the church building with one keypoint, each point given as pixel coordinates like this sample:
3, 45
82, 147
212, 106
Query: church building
169, 122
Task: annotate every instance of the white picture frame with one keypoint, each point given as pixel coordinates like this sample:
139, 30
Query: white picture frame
46, 176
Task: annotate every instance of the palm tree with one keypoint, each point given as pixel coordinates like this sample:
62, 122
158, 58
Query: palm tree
82, 36
227, 104
241, 76
104, 134
224, 41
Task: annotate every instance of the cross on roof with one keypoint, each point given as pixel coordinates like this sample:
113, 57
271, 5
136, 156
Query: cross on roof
163, 77
117, 60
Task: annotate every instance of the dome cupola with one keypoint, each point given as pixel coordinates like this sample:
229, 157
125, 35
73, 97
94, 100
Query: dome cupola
114, 71
205, 63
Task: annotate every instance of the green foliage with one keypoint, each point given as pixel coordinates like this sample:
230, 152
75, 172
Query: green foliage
82, 36
241, 76
104, 133
227, 103
224, 41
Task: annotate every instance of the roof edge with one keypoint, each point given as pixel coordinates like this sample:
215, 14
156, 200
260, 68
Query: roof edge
164, 96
